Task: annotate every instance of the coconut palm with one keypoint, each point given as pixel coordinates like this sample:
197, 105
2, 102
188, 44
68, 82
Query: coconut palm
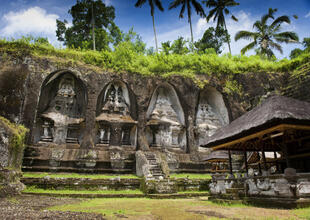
218, 12
187, 4
268, 37
152, 4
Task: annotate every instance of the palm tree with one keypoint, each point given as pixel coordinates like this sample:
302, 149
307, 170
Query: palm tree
187, 4
268, 37
218, 12
159, 6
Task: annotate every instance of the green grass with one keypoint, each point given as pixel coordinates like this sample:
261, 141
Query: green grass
192, 191
191, 176
76, 175
33, 189
144, 208
303, 213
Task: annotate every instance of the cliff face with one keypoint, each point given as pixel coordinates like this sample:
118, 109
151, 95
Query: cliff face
11, 153
27, 81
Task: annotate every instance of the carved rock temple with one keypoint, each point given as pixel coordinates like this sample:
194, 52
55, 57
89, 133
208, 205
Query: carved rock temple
98, 122
85, 119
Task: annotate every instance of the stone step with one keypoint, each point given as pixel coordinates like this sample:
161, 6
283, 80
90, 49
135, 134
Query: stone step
74, 169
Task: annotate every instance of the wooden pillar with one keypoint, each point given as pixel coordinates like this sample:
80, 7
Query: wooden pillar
277, 164
286, 156
245, 161
259, 165
230, 163
264, 160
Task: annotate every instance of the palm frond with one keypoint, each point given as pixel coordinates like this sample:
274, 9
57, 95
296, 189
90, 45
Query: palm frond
268, 15
231, 3
198, 8
248, 47
226, 11
247, 35
210, 3
280, 20
159, 5
276, 46
181, 15
139, 3
175, 4
288, 37
234, 18
211, 14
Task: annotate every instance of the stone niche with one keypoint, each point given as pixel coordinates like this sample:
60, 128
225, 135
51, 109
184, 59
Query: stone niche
211, 114
116, 116
61, 110
165, 120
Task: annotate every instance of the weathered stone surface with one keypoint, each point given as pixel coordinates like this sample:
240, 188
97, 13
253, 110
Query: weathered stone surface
142, 166
11, 152
41, 82
158, 186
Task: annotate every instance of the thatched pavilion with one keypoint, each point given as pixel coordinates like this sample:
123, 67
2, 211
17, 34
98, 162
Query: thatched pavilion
279, 125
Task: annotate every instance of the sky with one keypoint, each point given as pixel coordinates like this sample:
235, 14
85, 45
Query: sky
38, 18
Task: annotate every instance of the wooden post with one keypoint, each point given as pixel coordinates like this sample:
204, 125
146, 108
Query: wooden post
259, 165
277, 164
264, 160
285, 152
245, 161
230, 163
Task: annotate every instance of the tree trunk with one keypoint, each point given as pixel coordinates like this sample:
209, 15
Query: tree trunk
190, 21
156, 44
227, 37
93, 26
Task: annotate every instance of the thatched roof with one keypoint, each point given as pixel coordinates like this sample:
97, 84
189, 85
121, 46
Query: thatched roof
217, 156
274, 111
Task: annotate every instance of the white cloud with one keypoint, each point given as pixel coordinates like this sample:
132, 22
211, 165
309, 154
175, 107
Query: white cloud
108, 2
35, 21
245, 22
307, 15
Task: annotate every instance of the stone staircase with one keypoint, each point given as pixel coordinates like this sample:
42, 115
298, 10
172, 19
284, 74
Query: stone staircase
154, 166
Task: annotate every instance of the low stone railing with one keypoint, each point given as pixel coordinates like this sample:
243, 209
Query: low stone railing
289, 185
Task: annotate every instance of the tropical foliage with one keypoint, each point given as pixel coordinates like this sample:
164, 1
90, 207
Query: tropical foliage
152, 4
79, 34
126, 58
187, 4
219, 8
268, 37
297, 52
212, 38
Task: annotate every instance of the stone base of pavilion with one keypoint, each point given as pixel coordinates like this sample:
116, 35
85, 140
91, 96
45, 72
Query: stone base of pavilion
288, 190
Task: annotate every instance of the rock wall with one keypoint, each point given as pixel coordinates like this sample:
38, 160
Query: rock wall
11, 153
32, 75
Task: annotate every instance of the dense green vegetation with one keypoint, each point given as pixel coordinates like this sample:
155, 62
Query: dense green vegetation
76, 175
125, 59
